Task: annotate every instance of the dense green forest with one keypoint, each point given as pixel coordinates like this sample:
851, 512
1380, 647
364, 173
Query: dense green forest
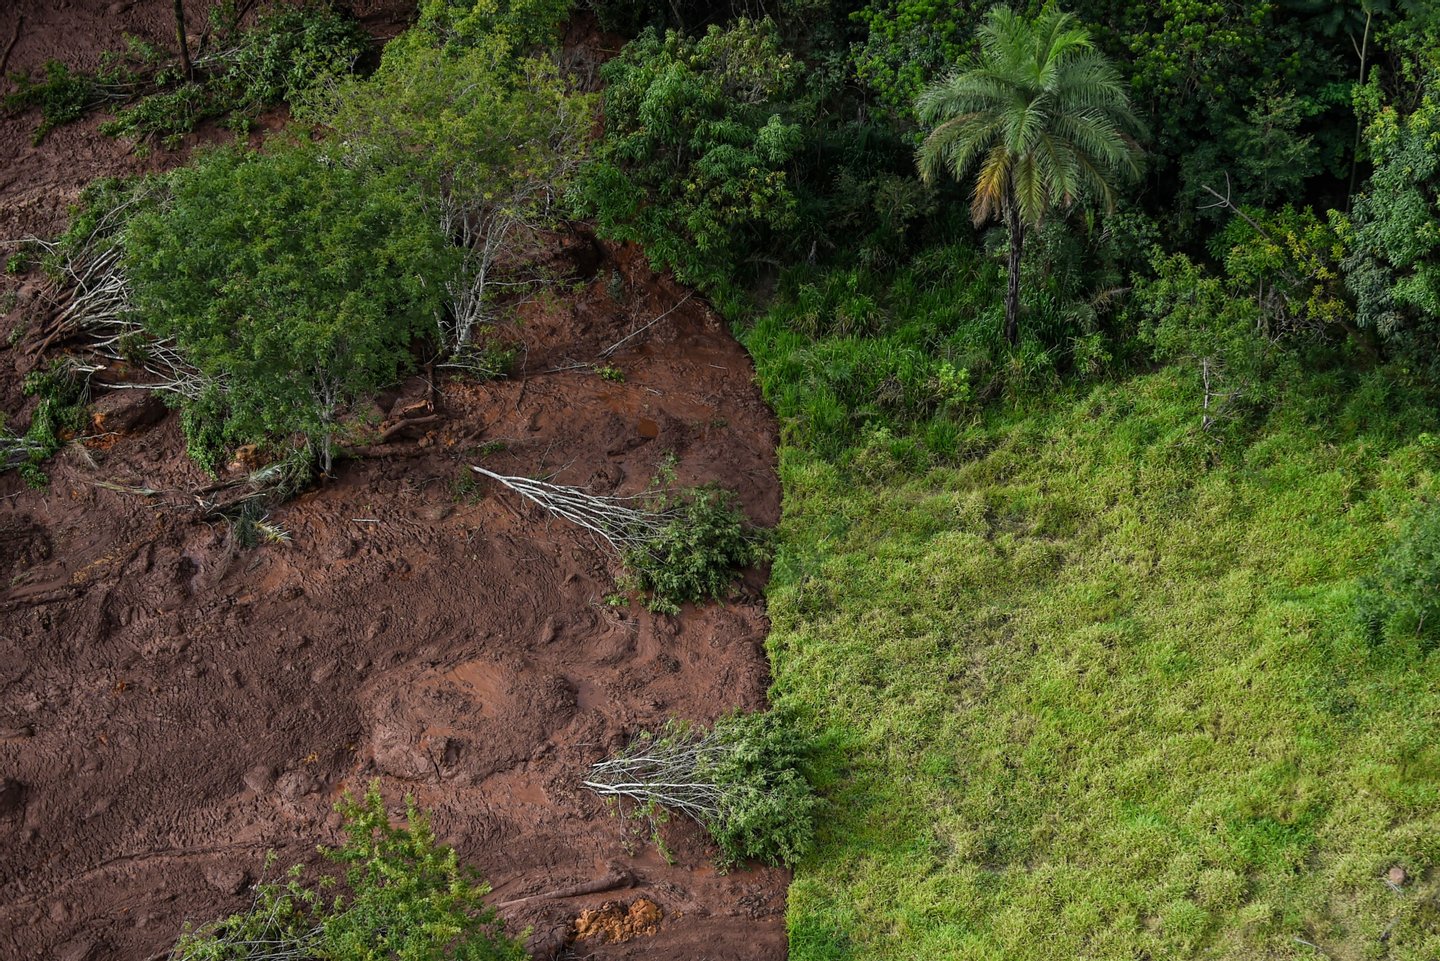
1105, 341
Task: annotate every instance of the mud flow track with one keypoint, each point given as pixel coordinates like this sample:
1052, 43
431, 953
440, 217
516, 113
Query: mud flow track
171, 708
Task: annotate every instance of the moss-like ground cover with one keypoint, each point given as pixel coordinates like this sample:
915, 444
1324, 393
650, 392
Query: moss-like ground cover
1094, 686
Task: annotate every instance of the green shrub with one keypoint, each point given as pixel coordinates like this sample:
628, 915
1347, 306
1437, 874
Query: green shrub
64, 96
487, 139
1400, 600
295, 286
744, 781
401, 895
524, 25
705, 540
63, 389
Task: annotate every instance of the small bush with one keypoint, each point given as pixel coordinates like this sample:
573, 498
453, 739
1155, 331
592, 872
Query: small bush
696, 554
402, 896
744, 781
63, 390
64, 96
1400, 599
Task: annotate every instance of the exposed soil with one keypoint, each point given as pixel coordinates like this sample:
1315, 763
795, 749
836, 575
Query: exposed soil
616, 921
172, 706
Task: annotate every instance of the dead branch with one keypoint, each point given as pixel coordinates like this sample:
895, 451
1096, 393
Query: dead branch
402, 425
617, 345
14, 39
624, 523
617, 877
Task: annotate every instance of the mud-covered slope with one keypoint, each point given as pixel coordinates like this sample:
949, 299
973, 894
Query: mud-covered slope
172, 707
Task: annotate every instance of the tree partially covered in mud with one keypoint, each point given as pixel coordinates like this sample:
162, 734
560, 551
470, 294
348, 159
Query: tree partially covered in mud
294, 285
401, 894
677, 545
489, 139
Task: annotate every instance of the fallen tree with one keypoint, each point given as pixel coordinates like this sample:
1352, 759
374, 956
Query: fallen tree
743, 781
675, 545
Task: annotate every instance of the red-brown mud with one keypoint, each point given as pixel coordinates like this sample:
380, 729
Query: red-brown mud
171, 706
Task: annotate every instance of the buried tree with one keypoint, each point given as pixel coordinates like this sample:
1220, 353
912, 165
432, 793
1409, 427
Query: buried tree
401, 895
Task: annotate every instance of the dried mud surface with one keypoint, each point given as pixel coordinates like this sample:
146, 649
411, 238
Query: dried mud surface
172, 707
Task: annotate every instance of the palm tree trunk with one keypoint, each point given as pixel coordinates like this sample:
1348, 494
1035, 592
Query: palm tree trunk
1017, 242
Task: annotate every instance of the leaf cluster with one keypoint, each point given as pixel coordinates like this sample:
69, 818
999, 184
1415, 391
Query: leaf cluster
695, 162
746, 781
696, 555
401, 896
768, 806
62, 391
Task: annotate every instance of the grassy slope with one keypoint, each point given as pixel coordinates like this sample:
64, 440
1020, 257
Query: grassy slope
1095, 690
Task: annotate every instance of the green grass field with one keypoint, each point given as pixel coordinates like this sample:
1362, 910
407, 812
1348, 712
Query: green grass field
1094, 686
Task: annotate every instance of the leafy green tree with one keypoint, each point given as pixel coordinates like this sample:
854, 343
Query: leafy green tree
1043, 119
402, 897
293, 284
697, 148
488, 140
1393, 269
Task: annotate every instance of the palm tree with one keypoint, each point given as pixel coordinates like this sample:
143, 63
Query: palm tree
1042, 116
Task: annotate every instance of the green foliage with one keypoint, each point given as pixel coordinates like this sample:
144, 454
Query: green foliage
705, 541
401, 896
523, 25
287, 51
695, 157
1393, 270
295, 285
61, 95
1398, 601
909, 43
63, 390
1292, 260
768, 808
746, 781
488, 139
64, 96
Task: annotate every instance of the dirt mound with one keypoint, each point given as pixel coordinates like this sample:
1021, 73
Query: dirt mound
172, 706
615, 922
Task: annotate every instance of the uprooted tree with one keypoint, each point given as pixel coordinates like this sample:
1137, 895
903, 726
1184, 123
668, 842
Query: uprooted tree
743, 781
676, 545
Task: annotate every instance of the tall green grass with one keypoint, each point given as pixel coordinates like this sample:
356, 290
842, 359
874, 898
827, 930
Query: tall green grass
1092, 679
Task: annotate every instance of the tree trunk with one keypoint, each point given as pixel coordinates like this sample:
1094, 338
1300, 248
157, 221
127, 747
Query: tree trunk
184, 44
1017, 243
